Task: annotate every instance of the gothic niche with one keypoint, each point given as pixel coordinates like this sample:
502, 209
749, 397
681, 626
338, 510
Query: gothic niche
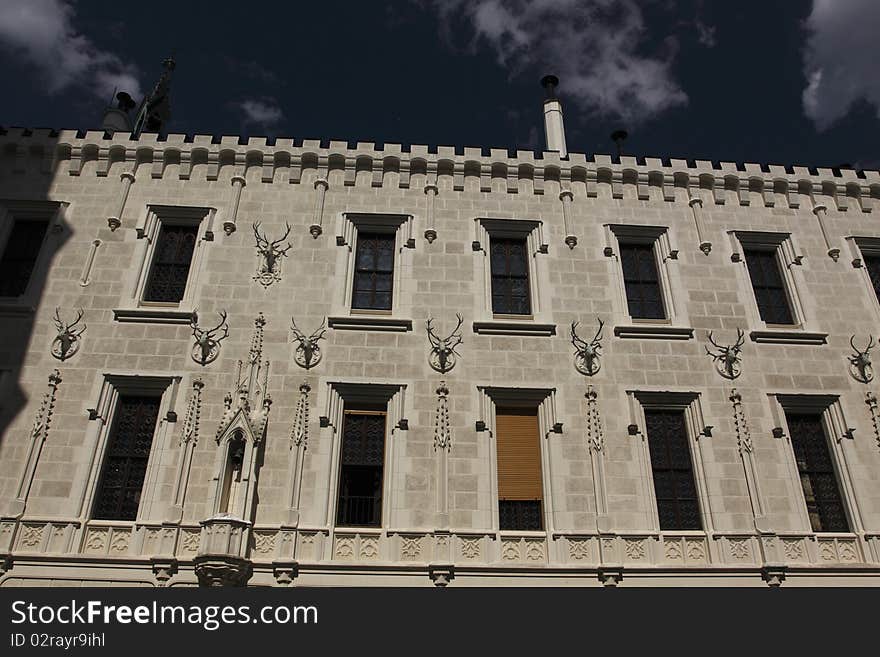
860, 362
443, 355
66, 343
587, 354
270, 253
728, 358
308, 352
232, 473
207, 342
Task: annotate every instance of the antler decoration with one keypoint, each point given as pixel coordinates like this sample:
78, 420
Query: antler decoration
587, 354
443, 353
308, 353
207, 344
66, 343
270, 253
860, 362
728, 359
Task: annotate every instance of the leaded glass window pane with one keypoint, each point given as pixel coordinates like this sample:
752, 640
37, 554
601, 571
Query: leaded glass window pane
642, 281
20, 256
171, 262
872, 264
768, 286
125, 463
816, 469
374, 271
674, 485
361, 471
510, 276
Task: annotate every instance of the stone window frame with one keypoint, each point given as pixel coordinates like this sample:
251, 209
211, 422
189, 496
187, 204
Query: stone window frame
101, 415
53, 212
490, 397
398, 319
690, 404
393, 395
836, 430
676, 324
790, 260
539, 322
132, 307
861, 246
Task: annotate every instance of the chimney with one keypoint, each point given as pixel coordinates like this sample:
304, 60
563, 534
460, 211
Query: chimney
554, 129
116, 119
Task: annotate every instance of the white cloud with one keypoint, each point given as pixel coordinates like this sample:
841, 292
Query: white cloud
263, 113
840, 58
43, 32
594, 46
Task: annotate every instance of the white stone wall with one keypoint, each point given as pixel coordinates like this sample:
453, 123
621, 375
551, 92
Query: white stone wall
437, 280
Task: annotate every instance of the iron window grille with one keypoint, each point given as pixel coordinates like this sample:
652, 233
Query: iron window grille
510, 276
374, 271
125, 464
769, 288
361, 474
641, 281
20, 256
816, 469
171, 263
674, 486
520, 515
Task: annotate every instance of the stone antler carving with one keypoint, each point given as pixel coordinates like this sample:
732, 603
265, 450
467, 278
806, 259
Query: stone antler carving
66, 343
860, 362
271, 254
727, 358
443, 353
308, 352
207, 344
587, 354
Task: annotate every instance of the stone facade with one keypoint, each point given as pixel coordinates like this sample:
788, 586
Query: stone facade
106, 197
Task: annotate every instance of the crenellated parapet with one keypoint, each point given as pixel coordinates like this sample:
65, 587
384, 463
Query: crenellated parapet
339, 163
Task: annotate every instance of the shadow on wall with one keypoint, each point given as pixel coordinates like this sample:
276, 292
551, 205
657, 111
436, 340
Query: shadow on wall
33, 228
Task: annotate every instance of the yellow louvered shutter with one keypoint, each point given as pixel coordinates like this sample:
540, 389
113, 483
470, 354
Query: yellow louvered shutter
519, 455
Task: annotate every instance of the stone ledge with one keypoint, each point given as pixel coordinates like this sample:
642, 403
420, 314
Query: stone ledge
370, 323
788, 337
648, 332
514, 328
153, 315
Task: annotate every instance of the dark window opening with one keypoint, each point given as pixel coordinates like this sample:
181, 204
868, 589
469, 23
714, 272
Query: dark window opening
360, 478
816, 469
20, 256
641, 281
520, 491
125, 464
674, 486
374, 271
171, 263
768, 285
872, 264
510, 276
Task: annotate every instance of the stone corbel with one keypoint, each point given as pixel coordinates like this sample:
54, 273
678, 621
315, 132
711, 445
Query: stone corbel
238, 183
163, 569
115, 220
441, 574
285, 572
321, 186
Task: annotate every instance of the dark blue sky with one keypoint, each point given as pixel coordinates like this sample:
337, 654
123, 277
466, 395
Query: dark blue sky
461, 74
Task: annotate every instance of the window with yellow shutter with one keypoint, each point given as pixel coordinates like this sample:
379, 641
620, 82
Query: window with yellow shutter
520, 490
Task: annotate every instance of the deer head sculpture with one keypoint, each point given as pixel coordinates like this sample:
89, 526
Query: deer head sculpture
271, 253
207, 344
443, 353
308, 352
727, 358
66, 343
860, 362
587, 354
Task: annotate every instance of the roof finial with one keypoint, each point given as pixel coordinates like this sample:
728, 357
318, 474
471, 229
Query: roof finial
155, 108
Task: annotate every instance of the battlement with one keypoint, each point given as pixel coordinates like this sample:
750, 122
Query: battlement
497, 169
